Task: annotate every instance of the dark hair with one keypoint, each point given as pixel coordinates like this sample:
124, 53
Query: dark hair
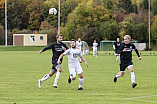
73, 40
59, 35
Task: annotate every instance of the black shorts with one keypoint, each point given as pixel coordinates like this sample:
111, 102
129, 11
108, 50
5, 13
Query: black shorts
123, 66
54, 67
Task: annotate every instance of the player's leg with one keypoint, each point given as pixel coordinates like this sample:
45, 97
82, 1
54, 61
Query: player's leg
96, 52
72, 75
117, 58
121, 73
132, 74
59, 70
47, 76
80, 73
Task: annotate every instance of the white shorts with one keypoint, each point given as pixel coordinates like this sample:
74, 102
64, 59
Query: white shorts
94, 49
75, 70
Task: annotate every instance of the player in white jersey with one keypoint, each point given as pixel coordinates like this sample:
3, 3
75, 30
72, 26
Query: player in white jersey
95, 44
79, 44
73, 63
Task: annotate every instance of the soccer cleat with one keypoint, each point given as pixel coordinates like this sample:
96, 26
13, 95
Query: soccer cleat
115, 78
134, 85
80, 88
69, 80
55, 85
39, 83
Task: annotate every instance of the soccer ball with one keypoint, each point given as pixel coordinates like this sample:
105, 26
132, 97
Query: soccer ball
53, 11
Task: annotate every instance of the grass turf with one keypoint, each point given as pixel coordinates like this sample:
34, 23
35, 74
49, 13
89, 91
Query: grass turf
20, 71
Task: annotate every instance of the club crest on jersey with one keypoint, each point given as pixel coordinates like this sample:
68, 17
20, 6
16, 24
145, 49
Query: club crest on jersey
131, 47
75, 55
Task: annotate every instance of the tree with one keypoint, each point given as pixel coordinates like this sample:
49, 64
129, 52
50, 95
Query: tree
110, 30
86, 15
35, 9
154, 9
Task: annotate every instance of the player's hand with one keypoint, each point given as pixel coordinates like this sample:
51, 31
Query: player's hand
124, 49
86, 63
40, 51
58, 62
140, 58
64, 48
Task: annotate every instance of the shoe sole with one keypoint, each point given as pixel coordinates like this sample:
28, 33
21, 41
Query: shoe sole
55, 86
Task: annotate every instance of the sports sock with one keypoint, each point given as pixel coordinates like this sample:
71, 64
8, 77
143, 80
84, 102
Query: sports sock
45, 77
117, 75
117, 57
93, 53
80, 82
57, 77
132, 77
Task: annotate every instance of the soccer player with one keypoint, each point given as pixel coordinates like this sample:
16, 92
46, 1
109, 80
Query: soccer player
73, 63
79, 44
57, 48
95, 44
116, 47
126, 59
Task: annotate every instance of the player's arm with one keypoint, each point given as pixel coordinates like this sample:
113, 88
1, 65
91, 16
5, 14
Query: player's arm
84, 61
137, 53
60, 57
46, 48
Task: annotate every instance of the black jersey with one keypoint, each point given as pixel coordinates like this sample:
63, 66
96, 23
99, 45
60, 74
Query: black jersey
126, 57
57, 51
117, 45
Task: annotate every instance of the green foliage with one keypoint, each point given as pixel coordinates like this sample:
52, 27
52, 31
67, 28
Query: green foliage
2, 35
86, 16
154, 9
109, 30
35, 9
154, 31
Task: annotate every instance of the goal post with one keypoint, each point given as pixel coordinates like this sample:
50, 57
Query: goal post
108, 45
84, 48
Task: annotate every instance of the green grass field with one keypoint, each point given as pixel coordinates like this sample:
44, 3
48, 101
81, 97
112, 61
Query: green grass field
20, 70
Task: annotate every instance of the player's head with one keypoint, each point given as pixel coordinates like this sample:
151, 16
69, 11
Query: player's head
79, 39
94, 41
127, 39
73, 43
59, 38
117, 39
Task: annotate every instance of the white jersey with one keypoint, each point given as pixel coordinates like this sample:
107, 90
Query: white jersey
78, 44
95, 46
73, 57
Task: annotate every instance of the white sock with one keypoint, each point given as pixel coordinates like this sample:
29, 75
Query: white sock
45, 77
93, 53
118, 75
117, 57
132, 77
96, 53
57, 77
80, 82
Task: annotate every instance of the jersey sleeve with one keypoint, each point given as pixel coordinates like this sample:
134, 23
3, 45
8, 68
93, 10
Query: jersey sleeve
49, 47
134, 47
67, 52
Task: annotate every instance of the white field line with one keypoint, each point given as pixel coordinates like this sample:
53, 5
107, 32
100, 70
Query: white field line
138, 98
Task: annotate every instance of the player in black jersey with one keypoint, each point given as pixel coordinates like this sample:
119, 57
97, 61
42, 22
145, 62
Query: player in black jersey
116, 47
126, 59
57, 48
